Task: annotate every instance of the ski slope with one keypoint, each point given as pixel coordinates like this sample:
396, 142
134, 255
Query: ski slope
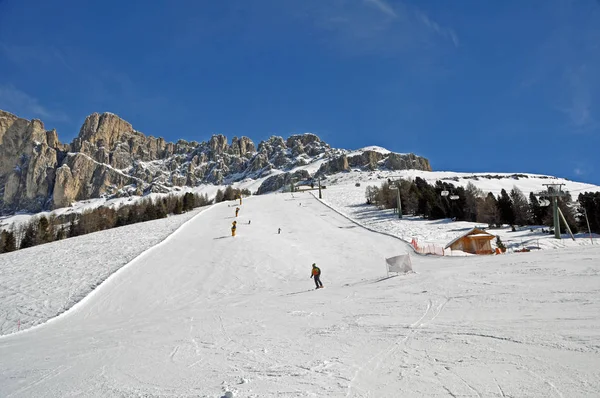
203, 314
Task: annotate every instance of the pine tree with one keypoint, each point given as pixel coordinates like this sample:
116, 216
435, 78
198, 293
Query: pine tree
500, 244
505, 208
178, 207
150, 212
408, 196
219, 196
520, 206
8, 242
590, 204
160, 210
229, 193
188, 201
537, 213
132, 215
29, 239
44, 233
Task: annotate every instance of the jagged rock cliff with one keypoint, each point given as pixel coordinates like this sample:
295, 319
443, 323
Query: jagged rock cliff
110, 158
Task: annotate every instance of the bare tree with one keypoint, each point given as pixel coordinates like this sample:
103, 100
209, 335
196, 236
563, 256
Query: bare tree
487, 210
472, 194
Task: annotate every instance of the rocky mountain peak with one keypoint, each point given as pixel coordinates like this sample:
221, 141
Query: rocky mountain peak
109, 158
104, 129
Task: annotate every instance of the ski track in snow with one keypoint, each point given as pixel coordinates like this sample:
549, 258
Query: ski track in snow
204, 313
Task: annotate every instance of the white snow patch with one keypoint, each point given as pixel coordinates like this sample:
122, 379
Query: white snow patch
203, 311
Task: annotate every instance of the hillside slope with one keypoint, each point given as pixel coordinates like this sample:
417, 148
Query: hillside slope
204, 313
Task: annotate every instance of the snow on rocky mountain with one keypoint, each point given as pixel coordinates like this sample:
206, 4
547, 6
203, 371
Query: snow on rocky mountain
109, 158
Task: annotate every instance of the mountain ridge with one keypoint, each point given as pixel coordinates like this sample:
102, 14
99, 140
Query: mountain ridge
109, 158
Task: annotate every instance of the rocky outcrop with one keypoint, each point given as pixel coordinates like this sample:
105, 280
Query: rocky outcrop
397, 161
335, 165
242, 147
367, 159
109, 158
81, 177
103, 134
278, 181
29, 156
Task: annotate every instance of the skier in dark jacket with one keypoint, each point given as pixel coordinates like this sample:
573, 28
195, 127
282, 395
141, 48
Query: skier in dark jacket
316, 274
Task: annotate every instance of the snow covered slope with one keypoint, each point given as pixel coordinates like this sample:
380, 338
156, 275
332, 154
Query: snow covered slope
349, 200
41, 282
488, 182
203, 313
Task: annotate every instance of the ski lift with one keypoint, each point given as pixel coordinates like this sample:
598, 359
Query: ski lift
544, 202
451, 196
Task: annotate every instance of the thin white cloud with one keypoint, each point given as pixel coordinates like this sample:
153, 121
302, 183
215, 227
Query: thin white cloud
434, 26
20, 103
370, 27
383, 7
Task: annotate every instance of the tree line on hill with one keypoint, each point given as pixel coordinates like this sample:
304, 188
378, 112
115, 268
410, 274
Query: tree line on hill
40, 230
590, 204
470, 203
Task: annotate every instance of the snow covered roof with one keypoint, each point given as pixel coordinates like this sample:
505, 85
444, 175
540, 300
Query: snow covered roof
472, 233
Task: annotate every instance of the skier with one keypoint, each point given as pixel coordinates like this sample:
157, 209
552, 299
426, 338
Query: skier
233, 228
237, 210
249, 221
316, 273
279, 231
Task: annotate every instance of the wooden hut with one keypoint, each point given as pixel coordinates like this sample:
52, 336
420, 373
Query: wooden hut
475, 241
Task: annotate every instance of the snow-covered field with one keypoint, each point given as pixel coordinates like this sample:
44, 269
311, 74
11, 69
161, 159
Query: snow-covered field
203, 314
41, 282
350, 201
487, 182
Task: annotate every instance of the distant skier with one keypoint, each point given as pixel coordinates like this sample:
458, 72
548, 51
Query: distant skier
233, 228
279, 231
237, 210
316, 274
249, 221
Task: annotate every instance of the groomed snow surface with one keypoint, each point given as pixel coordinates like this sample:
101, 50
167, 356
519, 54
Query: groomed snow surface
203, 314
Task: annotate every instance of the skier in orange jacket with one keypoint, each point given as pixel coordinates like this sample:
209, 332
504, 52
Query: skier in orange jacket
316, 274
233, 228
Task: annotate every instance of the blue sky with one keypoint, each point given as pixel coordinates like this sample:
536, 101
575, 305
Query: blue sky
472, 85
